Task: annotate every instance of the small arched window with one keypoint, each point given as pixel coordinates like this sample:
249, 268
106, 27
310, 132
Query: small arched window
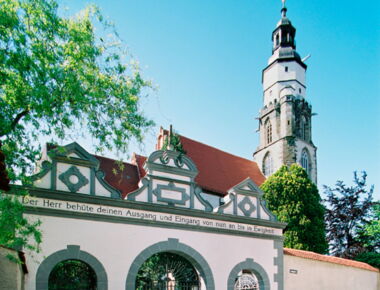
268, 165
247, 280
305, 161
268, 132
277, 39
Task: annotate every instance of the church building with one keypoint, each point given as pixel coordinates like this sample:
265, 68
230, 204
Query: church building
182, 218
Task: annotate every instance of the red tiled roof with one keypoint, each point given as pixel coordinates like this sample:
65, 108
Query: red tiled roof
218, 170
126, 181
329, 259
139, 161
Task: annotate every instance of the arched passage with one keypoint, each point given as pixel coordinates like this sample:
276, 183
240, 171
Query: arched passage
256, 269
72, 252
172, 246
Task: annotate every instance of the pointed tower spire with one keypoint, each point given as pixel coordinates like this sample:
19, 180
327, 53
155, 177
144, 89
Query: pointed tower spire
283, 10
285, 118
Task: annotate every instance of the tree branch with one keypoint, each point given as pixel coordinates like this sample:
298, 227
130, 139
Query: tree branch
19, 117
16, 121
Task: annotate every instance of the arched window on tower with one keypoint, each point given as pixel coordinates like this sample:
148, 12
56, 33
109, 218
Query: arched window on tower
267, 165
305, 161
304, 129
268, 132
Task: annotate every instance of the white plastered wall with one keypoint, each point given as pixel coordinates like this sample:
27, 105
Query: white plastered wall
275, 78
316, 275
116, 245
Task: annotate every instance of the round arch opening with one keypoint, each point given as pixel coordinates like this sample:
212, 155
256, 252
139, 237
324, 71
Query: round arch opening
167, 271
72, 274
173, 246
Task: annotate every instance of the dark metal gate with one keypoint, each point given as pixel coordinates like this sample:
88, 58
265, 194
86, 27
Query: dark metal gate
171, 285
167, 271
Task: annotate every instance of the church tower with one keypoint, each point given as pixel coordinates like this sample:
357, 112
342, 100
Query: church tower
285, 118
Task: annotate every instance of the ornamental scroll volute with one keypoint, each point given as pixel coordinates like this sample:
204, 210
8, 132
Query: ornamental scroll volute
170, 181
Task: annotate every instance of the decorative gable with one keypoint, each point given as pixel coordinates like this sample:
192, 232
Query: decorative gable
170, 181
245, 199
72, 169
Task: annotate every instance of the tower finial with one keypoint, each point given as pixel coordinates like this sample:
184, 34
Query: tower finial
170, 137
283, 9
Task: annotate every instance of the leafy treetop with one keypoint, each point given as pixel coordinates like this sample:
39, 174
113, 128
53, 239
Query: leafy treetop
58, 77
294, 199
347, 212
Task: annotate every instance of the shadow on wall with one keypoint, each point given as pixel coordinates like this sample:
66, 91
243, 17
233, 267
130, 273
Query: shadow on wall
11, 273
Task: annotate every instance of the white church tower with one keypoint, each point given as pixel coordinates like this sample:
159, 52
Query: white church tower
285, 119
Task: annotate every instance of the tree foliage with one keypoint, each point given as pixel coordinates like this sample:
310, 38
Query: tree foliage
347, 213
372, 258
370, 235
294, 199
72, 274
16, 231
58, 78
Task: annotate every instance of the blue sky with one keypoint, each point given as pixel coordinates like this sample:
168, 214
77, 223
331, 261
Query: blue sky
206, 58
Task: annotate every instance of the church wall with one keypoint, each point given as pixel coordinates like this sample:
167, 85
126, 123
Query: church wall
116, 246
276, 150
301, 274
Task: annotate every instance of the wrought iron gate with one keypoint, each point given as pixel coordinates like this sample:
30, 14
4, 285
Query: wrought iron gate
167, 271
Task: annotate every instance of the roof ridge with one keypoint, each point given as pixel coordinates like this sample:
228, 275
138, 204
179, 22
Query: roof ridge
223, 151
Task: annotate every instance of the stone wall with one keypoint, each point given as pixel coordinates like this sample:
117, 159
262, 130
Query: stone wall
11, 273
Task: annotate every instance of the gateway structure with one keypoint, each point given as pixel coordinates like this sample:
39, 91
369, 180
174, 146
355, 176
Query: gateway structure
203, 210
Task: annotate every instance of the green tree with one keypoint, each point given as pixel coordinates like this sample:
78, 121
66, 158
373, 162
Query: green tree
370, 237
294, 199
372, 258
57, 78
348, 211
